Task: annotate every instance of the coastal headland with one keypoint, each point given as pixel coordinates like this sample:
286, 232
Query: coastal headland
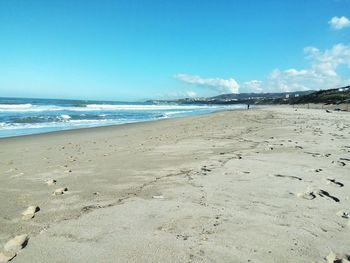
264, 185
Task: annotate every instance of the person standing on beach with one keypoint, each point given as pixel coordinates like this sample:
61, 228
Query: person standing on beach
248, 106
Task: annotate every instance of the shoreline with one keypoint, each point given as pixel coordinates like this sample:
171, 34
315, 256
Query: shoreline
255, 107
260, 185
344, 107
117, 125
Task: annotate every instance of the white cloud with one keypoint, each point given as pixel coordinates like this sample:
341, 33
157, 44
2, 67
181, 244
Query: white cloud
338, 23
321, 73
254, 86
293, 72
191, 94
178, 94
221, 85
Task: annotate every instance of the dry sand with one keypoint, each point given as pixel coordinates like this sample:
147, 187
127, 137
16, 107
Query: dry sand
268, 185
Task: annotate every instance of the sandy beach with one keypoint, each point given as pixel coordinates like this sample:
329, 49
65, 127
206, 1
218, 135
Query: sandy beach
264, 185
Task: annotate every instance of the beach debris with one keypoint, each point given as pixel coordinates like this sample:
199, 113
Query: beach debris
17, 243
7, 256
337, 258
60, 191
158, 197
51, 182
29, 213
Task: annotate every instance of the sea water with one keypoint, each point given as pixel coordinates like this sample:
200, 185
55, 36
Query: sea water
23, 116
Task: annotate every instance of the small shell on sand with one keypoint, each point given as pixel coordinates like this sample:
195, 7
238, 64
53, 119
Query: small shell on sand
6, 256
51, 182
30, 212
60, 191
16, 243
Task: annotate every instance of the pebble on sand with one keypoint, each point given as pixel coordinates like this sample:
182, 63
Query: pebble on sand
16, 243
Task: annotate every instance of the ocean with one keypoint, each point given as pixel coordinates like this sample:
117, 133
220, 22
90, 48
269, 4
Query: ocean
23, 116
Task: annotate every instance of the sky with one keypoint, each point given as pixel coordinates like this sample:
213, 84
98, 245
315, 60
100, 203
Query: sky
155, 49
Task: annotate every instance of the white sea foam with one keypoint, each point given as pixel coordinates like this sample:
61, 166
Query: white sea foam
169, 113
59, 124
15, 106
65, 117
60, 117
146, 107
98, 107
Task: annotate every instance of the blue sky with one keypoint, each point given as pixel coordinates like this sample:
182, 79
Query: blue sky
134, 50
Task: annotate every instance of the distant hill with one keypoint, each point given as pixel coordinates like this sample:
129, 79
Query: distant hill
332, 96
259, 96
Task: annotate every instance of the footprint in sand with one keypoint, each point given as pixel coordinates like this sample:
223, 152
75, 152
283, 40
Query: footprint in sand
310, 195
7, 256
333, 181
343, 214
313, 154
17, 243
205, 169
51, 182
60, 191
323, 193
287, 176
339, 163
337, 258
13, 246
317, 170
29, 213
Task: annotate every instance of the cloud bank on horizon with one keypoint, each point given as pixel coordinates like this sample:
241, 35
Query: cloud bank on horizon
322, 72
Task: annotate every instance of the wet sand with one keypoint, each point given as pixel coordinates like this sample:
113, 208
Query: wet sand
267, 185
